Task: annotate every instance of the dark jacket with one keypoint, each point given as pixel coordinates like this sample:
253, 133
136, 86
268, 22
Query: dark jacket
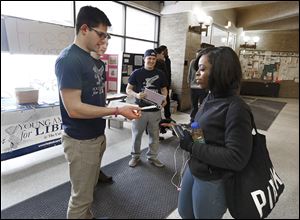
227, 129
168, 66
161, 65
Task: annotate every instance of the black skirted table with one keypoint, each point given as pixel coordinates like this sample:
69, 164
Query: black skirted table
260, 88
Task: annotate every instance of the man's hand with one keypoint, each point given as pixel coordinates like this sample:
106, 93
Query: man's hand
164, 103
186, 142
130, 112
140, 95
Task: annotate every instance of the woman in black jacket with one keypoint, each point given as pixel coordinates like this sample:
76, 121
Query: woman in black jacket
226, 123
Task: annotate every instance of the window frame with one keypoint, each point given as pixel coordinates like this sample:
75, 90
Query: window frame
124, 36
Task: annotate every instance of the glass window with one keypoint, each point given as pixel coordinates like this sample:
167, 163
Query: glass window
222, 37
113, 10
231, 40
4, 41
219, 37
38, 70
57, 12
206, 39
141, 25
138, 46
35, 71
115, 45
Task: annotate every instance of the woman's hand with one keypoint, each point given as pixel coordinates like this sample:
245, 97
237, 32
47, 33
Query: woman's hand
186, 142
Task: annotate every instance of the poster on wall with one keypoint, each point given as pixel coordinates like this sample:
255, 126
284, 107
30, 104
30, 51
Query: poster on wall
130, 62
112, 85
111, 69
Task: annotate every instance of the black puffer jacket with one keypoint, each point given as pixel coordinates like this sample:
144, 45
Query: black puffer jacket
227, 128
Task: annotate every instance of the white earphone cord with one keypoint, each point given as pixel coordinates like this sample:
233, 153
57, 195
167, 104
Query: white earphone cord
184, 162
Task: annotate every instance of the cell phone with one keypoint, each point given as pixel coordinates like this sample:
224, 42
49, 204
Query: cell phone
178, 129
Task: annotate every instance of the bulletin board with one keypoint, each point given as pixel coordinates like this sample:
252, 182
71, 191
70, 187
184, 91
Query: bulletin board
130, 62
269, 65
111, 70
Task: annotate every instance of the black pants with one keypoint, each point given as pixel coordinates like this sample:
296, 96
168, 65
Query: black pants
167, 111
197, 96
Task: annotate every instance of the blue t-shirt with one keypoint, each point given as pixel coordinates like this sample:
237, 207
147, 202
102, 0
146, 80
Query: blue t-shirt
76, 69
150, 79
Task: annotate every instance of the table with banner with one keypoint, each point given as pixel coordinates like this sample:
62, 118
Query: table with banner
29, 128
32, 127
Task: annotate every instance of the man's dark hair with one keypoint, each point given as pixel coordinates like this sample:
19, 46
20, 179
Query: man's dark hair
226, 71
163, 47
92, 17
158, 50
204, 45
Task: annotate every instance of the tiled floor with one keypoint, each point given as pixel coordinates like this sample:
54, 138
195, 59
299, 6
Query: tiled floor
29, 175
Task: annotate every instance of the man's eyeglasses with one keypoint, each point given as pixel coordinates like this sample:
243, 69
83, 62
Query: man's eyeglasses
101, 35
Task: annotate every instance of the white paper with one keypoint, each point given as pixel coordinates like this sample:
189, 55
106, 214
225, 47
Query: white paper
149, 107
113, 73
113, 60
138, 60
129, 69
125, 79
112, 85
154, 97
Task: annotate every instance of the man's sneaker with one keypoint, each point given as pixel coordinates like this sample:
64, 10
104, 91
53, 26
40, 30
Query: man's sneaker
156, 162
134, 161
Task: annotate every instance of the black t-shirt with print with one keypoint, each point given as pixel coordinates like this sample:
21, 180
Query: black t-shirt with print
150, 79
76, 69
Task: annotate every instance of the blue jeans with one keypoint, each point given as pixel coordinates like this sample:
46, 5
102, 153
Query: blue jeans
200, 199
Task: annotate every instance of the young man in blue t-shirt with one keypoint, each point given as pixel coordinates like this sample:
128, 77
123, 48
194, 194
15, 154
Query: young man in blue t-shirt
151, 78
82, 105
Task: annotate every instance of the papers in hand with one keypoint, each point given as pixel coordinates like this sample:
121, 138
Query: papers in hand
154, 97
149, 107
118, 104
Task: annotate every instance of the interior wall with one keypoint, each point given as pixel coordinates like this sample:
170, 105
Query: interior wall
193, 41
221, 18
173, 34
153, 5
275, 40
183, 44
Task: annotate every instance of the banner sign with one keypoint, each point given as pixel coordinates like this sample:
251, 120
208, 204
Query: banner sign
25, 131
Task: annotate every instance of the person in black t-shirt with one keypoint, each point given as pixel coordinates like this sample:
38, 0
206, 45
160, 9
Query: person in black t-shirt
103, 178
151, 78
82, 106
161, 65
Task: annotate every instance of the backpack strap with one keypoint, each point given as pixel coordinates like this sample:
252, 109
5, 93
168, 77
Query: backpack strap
253, 122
